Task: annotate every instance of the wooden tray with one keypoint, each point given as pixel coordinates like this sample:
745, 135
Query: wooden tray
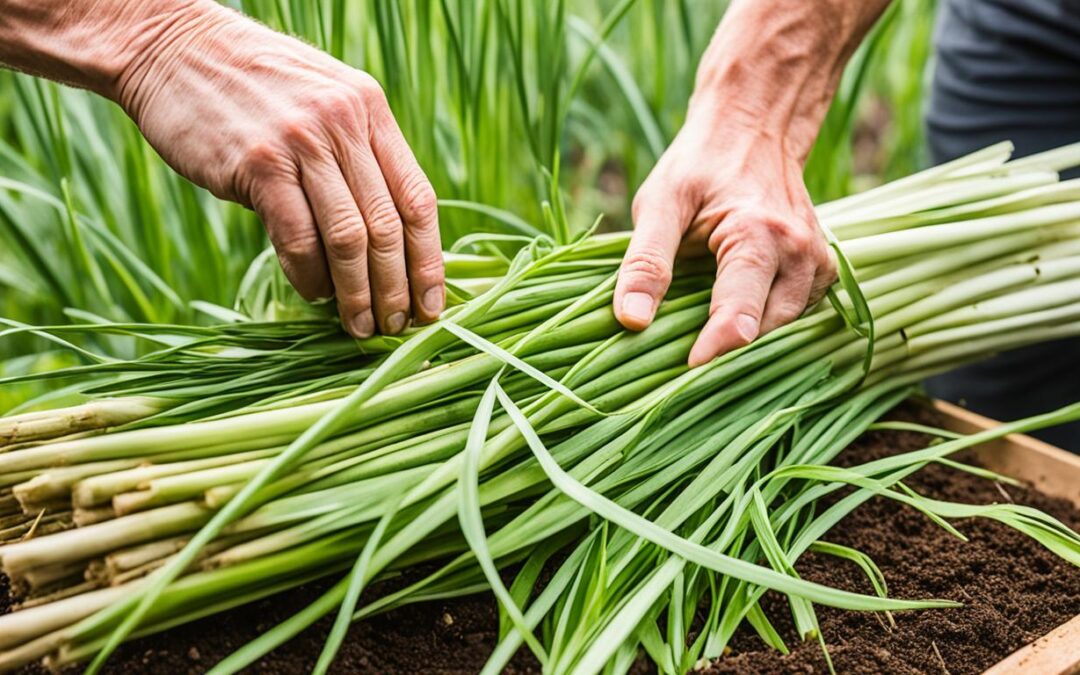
1052, 471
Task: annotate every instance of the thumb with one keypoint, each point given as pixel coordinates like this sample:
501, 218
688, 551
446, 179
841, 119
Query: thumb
646, 270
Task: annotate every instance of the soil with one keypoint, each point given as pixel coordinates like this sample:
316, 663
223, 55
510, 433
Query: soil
1013, 591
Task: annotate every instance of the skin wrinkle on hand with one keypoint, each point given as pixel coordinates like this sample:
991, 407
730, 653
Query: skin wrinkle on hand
731, 182
251, 115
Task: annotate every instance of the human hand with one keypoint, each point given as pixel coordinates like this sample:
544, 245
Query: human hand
734, 191
309, 143
731, 182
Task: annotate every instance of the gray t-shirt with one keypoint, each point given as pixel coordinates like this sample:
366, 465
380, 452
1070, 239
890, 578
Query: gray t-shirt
1005, 68
1009, 70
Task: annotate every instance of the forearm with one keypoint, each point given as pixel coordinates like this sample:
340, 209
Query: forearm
86, 43
773, 67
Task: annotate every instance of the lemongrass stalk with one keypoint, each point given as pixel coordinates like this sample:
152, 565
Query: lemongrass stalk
102, 538
33, 527
100, 414
100, 488
1016, 247
117, 576
1045, 318
972, 190
557, 355
66, 592
353, 461
1055, 193
17, 518
195, 591
43, 576
120, 561
182, 486
23, 627
993, 156
98, 514
25, 464
952, 354
528, 317
56, 483
883, 247
1057, 159
1040, 297
8, 503
369, 495
70, 654
273, 424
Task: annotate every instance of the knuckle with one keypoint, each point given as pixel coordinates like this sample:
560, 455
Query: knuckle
825, 258
297, 245
336, 107
747, 251
648, 264
369, 90
829, 268
301, 131
384, 225
800, 239
418, 202
394, 298
429, 267
788, 309
258, 175
260, 159
741, 228
345, 237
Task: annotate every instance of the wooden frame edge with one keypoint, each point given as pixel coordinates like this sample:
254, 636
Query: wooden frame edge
1052, 471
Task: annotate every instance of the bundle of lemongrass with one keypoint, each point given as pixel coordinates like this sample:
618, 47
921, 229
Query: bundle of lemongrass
187, 493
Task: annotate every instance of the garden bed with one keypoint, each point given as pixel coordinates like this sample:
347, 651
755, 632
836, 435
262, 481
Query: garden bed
1013, 592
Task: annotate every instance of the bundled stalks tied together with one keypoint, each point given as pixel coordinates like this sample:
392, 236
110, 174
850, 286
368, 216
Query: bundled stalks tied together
528, 430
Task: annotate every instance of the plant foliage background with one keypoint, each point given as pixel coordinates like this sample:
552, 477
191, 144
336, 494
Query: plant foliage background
502, 100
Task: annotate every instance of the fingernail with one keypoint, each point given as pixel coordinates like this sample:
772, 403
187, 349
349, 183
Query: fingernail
433, 300
747, 326
638, 306
395, 323
363, 325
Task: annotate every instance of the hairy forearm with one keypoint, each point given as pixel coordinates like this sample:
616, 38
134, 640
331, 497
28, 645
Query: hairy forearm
773, 67
85, 43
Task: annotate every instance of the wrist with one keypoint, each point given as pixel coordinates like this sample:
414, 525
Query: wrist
725, 121
772, 68
163, 42
86, 44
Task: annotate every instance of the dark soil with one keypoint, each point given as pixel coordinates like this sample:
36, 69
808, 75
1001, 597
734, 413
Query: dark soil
1013, 591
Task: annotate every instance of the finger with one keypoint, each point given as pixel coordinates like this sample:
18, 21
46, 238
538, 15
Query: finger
415, 200
285, 213
788, 297
745, 273
386, 243
344, 239
824, 276
646, 270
